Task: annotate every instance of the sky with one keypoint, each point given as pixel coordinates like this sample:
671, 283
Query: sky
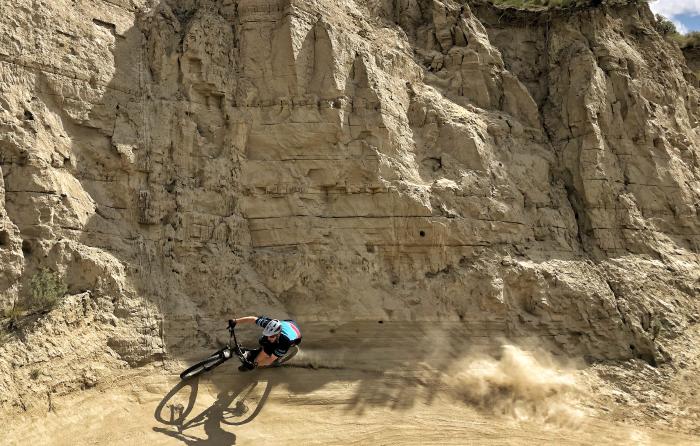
684, 13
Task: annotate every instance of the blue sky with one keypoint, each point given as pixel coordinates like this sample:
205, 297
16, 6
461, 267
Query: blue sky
684, 13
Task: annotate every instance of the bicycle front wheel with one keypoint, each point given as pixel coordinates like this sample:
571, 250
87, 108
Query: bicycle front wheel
203, 366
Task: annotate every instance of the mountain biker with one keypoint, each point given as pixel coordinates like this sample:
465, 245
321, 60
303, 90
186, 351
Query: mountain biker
277, 338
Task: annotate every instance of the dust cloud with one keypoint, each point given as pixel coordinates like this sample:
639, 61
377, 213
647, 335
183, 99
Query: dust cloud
320, 359
525, 385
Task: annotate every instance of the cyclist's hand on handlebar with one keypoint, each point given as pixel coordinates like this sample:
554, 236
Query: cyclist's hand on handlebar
231, 323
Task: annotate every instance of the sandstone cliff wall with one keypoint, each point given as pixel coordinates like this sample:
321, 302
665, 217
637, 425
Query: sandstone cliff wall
536, 174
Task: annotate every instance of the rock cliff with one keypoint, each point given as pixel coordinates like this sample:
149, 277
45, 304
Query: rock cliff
530, 174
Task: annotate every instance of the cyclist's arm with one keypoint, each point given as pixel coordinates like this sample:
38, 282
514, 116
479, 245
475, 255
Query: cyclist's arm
246, 320
264, 359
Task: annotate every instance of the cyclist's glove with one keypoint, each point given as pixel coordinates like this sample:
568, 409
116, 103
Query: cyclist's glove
231, 323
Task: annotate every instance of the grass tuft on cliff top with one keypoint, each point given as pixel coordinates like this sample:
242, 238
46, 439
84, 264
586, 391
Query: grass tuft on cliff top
663, 25
546, 4
691, 40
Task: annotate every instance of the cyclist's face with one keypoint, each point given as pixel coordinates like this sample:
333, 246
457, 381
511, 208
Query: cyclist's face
273, 338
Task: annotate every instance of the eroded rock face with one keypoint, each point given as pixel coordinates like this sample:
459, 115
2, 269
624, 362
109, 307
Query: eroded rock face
182, 161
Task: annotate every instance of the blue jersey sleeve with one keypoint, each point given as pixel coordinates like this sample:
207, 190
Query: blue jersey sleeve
262, 321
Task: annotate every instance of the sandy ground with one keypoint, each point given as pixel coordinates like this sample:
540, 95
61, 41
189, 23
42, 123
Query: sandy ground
297, 406
351, 396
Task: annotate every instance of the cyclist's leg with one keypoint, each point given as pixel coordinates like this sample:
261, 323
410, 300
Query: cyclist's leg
252, 354
250, 357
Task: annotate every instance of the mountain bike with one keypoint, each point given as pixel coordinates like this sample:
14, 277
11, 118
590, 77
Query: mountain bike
231, 349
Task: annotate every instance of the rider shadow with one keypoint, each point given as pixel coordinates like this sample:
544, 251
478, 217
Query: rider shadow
239, 404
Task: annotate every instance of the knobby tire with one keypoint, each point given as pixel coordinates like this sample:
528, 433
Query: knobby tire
203, 366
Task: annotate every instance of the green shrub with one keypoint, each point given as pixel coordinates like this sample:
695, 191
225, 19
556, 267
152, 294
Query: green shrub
13, 315
47, 289
665, 26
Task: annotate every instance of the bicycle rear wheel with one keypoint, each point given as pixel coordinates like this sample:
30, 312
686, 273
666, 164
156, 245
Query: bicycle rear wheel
204, 366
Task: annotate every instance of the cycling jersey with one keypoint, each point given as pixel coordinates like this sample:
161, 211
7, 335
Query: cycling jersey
289, 336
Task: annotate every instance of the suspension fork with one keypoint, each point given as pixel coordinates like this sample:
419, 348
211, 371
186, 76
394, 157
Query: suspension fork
235, 341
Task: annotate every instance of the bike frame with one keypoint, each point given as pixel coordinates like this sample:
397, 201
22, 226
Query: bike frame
238, 350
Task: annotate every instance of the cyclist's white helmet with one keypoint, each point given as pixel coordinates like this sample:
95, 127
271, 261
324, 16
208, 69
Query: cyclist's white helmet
272, 328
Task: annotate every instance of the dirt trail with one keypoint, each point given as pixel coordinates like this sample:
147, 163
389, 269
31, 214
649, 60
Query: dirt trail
351, 396
297, 406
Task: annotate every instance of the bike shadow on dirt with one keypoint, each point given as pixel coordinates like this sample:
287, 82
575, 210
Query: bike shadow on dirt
239, 403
